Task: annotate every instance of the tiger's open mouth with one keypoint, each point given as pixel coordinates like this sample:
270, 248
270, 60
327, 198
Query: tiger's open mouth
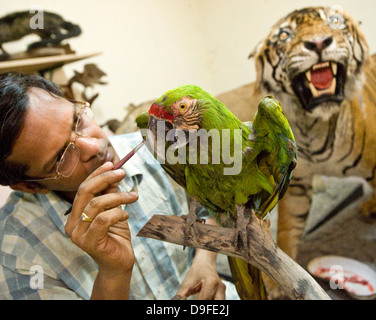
323, 82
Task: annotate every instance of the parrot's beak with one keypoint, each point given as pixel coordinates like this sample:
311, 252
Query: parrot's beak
161, 126
158, 128
164, 130
160, 133
152, 123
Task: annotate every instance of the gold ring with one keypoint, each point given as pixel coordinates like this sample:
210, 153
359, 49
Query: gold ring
85, 217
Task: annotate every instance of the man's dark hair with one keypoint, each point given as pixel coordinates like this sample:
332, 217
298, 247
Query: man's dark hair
13, 107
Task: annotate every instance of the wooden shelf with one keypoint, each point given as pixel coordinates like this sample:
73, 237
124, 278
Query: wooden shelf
33, 65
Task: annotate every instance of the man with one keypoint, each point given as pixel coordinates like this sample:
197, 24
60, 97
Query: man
55, 156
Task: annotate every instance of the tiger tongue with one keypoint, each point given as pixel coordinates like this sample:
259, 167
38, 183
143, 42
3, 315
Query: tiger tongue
321, 78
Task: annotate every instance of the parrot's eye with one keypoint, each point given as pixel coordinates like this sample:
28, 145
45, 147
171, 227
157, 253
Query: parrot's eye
183, 106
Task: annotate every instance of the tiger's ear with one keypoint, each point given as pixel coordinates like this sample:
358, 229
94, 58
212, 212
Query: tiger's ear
361, 48
360, 45
256, 50
30, 187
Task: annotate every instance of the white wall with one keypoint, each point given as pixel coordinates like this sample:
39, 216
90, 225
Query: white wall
151, 46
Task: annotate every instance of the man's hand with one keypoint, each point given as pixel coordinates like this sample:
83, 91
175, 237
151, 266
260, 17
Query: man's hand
202, 277
107, 237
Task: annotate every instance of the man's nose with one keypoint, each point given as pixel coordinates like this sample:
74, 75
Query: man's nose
88, 146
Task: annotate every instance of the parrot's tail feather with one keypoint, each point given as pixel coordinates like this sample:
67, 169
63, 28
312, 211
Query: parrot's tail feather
248, 280
278, 192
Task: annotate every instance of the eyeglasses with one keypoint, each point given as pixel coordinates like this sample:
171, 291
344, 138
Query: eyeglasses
71, 155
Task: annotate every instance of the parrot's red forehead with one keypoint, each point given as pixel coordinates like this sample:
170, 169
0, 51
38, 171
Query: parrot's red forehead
160, 112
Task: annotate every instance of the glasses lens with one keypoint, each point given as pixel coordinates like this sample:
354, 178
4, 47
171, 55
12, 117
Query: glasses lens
69, 160
83, 121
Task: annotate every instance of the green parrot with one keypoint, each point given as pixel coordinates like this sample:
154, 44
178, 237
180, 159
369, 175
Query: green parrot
247, 165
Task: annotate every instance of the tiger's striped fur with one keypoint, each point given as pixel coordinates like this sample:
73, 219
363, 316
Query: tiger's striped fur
335, 133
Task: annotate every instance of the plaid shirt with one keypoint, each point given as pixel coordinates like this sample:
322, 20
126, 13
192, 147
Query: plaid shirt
33, 240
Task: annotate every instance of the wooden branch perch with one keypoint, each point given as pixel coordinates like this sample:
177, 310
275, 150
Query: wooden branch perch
263, 252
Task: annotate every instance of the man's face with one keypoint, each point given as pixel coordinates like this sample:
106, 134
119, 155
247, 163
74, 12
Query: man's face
48, 129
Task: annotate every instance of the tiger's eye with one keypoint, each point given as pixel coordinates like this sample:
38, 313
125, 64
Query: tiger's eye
283, 35
335, 21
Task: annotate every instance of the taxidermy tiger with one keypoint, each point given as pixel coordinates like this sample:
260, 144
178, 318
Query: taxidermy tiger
315, 61
16, 25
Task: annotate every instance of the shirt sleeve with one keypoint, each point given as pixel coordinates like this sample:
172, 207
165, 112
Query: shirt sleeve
36, 286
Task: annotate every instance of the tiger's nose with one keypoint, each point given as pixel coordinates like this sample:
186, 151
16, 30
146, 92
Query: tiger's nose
318, 45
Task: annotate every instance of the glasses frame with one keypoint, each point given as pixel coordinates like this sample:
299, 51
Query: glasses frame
83, 105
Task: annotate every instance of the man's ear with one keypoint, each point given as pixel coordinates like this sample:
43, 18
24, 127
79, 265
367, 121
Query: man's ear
30, 187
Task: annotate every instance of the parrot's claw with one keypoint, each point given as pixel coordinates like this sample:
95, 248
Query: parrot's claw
241, 233
190, 223
241, 240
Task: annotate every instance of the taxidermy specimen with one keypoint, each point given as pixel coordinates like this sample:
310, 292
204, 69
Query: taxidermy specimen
315, 61
267, 157
55, 29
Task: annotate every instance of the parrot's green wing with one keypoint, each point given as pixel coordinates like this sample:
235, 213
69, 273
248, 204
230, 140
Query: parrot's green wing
247, 278
276, 155
275, 139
